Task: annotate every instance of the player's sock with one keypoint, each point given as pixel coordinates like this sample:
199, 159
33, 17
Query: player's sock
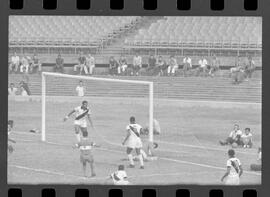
141, 159
130, 158
143, 154
78, 137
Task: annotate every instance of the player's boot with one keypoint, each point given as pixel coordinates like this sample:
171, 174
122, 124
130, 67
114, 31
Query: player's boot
131, 166
142, 167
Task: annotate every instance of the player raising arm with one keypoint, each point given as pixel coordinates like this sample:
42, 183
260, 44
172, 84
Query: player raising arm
234, 169
82, 113
133, 141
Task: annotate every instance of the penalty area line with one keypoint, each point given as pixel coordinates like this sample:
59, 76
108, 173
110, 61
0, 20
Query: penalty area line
173, 160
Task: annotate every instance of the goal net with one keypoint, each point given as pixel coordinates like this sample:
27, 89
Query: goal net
112, 102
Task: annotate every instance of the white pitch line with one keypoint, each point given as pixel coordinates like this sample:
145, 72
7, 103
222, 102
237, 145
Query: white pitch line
158, 141
199, 147
168, 159
174, 160
55, 173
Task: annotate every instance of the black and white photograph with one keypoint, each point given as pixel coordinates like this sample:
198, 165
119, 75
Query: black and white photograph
134, 100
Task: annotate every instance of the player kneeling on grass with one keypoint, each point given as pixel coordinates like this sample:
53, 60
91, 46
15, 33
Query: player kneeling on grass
234, 169
246, 138
133, 141
234, 137
82, 113
85, 146
119, 177
258, 165
10, 126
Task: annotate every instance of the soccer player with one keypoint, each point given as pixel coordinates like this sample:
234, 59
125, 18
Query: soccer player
82, 113
133, 141
234, 169
246, 138
119, 177
234, 137
10, 126
85, 146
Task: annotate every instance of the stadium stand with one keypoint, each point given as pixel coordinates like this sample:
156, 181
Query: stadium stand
66, 31
194, 88
201, 32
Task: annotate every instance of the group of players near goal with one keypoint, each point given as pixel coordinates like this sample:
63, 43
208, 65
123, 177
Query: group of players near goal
132, 142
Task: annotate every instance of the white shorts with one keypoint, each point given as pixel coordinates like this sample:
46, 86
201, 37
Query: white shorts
80, 123
134, 143
122, 182
233, 180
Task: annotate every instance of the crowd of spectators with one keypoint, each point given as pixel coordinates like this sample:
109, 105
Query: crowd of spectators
155, 66
25, 64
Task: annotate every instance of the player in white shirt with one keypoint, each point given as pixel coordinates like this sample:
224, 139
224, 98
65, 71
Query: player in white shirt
234, 137
234, 170
173, 66
133, 141
82, 113
246, 138
119, 177
80, 89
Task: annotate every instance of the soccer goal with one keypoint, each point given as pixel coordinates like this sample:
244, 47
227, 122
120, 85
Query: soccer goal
112, 101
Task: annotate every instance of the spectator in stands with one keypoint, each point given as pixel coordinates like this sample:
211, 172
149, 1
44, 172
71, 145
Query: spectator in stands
81, 64
187, 65
214, 66
12, 90
137, 64
90, 62
24, 87
151, 68
113, 66
80, 89
35, 64
122, 65
24, 92
246, 138
161, 66
24, 68
173, 66
249, 67
238, 72
234, 137
59, 64
15, 63
202, 66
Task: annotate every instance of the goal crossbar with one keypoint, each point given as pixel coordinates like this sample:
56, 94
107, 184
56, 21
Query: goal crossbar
149, 83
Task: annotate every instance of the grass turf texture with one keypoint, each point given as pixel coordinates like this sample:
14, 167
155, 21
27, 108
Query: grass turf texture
188, 145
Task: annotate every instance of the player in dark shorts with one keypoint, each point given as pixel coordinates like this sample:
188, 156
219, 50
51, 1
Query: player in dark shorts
85, 146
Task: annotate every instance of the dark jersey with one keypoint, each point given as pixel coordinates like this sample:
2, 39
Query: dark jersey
82, 60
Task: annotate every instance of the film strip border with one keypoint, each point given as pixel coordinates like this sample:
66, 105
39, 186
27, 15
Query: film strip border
80, 5
146, 4
48, 192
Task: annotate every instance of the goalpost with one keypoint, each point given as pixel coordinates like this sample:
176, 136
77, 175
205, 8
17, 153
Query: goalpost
45, 75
